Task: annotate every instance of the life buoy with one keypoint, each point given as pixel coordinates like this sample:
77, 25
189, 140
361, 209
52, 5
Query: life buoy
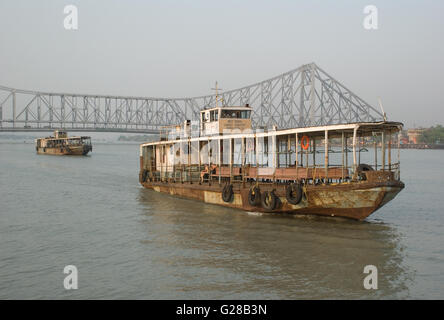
227, 193
254, 196
293, 193
305, 142
269, 200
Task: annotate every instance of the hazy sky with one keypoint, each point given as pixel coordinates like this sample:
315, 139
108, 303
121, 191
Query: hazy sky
180, 48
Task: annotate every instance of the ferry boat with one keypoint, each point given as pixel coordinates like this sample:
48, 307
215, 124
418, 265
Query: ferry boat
342, 170
61, 144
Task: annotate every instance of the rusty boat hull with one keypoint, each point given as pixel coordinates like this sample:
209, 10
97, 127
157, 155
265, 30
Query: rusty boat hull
348, 200
72, 150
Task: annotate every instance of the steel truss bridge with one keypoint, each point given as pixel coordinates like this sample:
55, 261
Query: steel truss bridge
306, 96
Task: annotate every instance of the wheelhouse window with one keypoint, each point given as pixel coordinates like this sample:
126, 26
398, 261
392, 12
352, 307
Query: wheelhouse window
236, 114
214, 115
245, 114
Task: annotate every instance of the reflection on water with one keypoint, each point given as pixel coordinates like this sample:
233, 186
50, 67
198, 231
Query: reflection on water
228, 253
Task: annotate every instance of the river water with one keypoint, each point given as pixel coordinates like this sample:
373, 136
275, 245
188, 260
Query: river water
131, 243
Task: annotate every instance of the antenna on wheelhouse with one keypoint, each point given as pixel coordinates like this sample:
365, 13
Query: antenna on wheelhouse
217, 93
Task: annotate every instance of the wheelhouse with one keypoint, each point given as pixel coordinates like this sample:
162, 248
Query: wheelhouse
222, 120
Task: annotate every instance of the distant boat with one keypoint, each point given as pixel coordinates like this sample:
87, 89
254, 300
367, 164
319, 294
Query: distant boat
61, 144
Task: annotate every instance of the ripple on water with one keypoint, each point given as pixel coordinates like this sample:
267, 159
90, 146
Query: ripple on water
129, 242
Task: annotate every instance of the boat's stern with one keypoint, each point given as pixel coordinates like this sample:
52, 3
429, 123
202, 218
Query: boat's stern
86, 149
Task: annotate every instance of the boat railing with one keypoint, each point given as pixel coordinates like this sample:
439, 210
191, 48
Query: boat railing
312, 174
345, 156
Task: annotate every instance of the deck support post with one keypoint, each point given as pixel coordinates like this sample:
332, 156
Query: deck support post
326, 156
174, 161
189, 161
256, 139
302, 157
310, 148
162, 176
182, 165
342, 154
383, 150
390, 151
200, 162
355, 166
346, 151
209, 163
219, 162
158, 151
275, 146
296, 153
243, 160
399, 154
153, 162
314, 156
288, 156
231, 159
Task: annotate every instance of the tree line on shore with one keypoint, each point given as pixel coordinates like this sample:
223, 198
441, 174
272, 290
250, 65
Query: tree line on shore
433, 135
